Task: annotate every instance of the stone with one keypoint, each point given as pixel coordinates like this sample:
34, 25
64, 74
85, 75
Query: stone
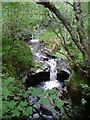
50, 110
36, 116
37, 106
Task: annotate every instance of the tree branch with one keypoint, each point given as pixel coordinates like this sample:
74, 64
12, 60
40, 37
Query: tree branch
63, 39
70, 29
69, 4
67, 24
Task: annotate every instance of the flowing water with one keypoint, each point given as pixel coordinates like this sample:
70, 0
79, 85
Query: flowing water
71, 111
34, 44
53, 69
53, 82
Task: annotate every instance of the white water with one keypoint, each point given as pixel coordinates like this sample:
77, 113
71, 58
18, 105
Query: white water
34, 45
34, 41
53, 69
53, 83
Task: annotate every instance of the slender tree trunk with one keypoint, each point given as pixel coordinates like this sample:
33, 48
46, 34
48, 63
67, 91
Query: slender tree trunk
70, 29
89, 40
72, 16
81, 43
82, 35
65, 17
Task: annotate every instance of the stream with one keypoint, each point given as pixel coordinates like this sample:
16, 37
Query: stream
48, 77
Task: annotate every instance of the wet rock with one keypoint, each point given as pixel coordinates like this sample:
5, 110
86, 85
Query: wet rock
34, 80
45, 117
51, 111
37, 106
65, 89
62, 75
24, 79
63, 66
36, 116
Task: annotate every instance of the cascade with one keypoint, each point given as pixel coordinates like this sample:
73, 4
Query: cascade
53, 75
53, 69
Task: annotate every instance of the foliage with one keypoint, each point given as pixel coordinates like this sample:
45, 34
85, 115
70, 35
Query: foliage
17, 58
50, 40
15, 98
59, 103
80, 83
44, 101
47, 35
67, 82
21, 20
12, 95
83, 101
78, 42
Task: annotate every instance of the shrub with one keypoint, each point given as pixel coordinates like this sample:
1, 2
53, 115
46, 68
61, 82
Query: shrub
17, 58
15, 102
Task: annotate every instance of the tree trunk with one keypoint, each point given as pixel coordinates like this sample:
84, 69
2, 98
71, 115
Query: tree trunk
81, 44
72, 17
82, 35
65, 17
67, 24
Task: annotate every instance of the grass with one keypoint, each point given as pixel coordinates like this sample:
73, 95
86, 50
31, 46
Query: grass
48, 34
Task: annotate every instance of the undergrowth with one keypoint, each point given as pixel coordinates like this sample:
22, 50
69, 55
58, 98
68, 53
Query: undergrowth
17, 58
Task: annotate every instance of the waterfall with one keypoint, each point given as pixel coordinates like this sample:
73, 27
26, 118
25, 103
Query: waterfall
53, 69
53, 83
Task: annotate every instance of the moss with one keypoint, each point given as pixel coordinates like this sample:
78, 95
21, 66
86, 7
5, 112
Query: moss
48, 34
17, 58
50, 41
37, 66
78, 84
75, 79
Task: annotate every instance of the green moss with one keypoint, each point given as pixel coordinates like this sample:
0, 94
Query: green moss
50, 41
77, 79
37, 66
17, 58
48, 34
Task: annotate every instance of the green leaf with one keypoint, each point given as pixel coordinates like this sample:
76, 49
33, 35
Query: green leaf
15, 112
5, 92
53, 96
30, 89
8, 81
59, 103
4, 108
83, 101
66, 82
16, 98
23, 103
35, 93
88, 94
5, 117
25, 95
52, 91
28, 111
44, 101
11, 104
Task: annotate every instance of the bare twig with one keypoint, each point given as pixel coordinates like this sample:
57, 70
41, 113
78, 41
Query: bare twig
69, 4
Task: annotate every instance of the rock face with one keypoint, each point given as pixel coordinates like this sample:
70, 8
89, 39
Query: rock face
44, 63
41, 73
